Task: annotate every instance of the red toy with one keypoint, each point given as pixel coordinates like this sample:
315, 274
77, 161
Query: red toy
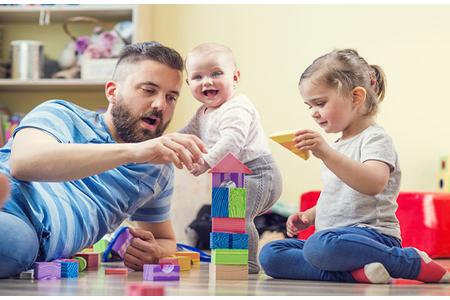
423, 217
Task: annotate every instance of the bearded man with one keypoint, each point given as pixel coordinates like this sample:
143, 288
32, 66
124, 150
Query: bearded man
71, 175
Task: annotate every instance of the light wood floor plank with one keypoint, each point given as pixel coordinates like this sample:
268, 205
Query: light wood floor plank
197, 282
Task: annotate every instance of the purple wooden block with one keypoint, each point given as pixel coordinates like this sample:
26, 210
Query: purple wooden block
164, 273
219, 178
122, 242
47, 270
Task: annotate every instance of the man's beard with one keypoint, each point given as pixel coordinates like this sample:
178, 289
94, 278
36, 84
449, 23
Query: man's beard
128, 127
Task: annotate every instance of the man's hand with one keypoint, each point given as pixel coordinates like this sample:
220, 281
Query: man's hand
180, 149
143, 250
296, 222
310, 140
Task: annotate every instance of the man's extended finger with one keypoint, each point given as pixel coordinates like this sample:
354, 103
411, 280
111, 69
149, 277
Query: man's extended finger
182, 153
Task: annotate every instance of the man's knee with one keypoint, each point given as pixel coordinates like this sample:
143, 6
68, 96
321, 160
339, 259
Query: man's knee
19, 246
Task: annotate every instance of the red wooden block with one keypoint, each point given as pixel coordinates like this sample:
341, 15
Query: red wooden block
232, 225
141, 289
92, 259
423, 218
116, 271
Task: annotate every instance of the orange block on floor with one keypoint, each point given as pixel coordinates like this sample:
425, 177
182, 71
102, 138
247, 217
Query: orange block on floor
423, 217
184, 262
116, 271
194, 256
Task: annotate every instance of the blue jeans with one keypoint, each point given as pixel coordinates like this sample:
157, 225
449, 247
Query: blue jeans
19, 245
331, 255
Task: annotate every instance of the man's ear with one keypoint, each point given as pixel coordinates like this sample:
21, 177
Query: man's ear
111, 91
358, 96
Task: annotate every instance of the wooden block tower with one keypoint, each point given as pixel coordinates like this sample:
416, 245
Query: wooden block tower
228, 239
444, 175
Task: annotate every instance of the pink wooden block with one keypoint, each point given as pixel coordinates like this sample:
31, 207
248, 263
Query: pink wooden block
230, 164
232, 225
143, 289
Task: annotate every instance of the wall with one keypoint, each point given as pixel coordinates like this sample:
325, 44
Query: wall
275, 43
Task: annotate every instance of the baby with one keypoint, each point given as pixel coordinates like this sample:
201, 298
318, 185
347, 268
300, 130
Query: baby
228, 122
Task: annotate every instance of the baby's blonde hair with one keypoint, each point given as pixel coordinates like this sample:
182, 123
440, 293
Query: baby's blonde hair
208, 48
345, 70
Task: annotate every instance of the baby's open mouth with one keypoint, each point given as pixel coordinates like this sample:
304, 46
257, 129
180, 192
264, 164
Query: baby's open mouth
210, 93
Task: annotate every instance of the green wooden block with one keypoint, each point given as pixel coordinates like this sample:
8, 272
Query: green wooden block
229, 256
101, 246
237, 203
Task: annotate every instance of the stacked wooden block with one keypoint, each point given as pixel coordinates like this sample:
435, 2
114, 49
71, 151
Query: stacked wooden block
444, 175
228, 240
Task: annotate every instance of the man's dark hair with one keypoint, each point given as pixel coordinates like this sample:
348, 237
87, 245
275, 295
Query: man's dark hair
149, 51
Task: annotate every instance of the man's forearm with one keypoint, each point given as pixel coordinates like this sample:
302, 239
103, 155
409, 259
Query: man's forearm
64, 162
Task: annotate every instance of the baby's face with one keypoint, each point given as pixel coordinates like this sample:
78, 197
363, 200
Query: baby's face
212, 78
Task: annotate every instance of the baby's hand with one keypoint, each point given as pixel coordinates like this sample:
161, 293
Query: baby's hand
296, 222
310, 140
200, 168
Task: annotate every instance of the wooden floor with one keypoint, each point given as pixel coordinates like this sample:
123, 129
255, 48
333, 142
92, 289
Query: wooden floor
196, 282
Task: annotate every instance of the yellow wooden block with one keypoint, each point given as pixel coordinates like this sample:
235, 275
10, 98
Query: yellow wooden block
228, 272
184, 262
194, 256
285, 140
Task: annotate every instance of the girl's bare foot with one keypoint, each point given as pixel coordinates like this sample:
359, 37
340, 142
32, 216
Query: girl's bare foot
4, 189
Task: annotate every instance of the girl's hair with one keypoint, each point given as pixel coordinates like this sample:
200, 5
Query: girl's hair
345, 70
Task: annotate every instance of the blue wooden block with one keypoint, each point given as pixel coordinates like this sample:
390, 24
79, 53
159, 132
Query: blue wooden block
69, 269
219, 240
239, 241
225, 240
219, 207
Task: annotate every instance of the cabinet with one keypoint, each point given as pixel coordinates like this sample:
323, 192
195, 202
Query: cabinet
22, 22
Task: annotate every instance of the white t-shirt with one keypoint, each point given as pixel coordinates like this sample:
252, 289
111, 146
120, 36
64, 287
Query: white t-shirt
233, 127
340, 205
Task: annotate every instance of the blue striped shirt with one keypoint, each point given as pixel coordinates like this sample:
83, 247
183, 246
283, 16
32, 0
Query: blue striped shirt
69, 216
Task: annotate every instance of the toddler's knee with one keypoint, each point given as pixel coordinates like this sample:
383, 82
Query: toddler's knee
269, 259
318, 251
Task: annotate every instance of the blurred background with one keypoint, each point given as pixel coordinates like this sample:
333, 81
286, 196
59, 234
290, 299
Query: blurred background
273, 44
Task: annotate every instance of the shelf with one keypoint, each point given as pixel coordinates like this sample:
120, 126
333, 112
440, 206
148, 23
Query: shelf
12, 85
59, 13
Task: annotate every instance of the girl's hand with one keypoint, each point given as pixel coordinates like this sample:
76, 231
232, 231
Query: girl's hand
310, 140
296, 222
